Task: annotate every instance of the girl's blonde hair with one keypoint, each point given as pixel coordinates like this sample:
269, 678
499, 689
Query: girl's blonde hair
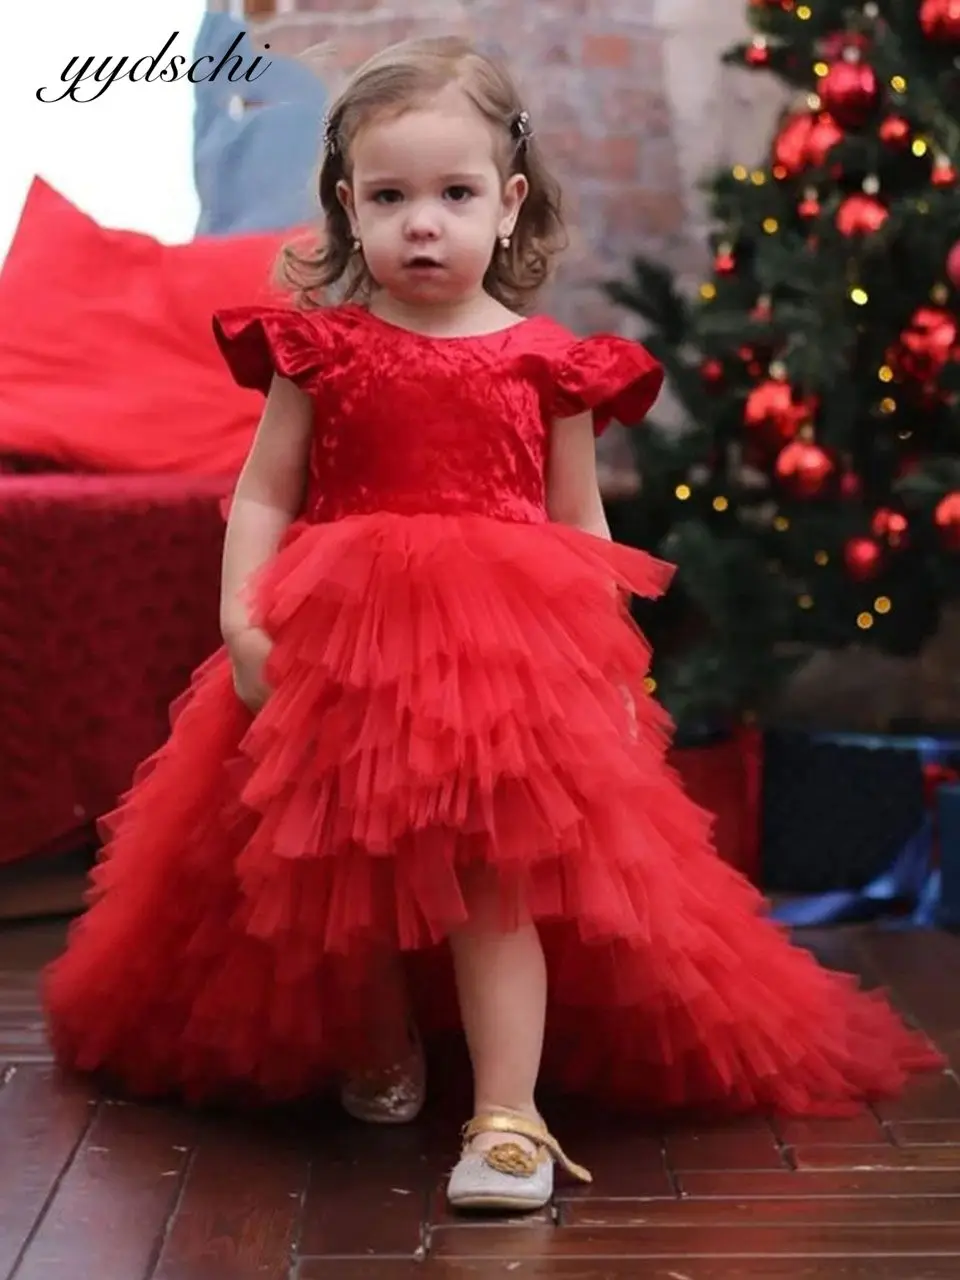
394, 80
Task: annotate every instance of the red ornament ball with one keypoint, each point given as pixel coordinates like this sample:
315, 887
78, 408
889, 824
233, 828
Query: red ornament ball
895, 132
773, 413
724, 264
711, 373
850, 91
860, 215
926, 345
809, 206
851, 486
889, 526
940, 19
863, 558
943, 174
758, 52
804, 469
946, 517
805, 140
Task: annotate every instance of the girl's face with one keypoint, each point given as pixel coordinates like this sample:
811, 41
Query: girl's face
427, 201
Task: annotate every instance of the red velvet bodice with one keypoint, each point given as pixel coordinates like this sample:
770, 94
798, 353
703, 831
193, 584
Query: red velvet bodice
409, 423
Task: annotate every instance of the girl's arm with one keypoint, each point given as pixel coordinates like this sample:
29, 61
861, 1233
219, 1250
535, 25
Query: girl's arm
573, 494
267, 498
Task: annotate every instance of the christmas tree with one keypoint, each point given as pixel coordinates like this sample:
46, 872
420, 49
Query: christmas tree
812, 500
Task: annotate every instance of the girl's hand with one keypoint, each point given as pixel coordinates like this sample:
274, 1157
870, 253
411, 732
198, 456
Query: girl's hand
249, 650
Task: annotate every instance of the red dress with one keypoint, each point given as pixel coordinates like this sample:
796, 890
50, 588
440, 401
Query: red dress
455, 685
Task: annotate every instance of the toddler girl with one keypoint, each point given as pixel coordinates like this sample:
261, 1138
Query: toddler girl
424, 759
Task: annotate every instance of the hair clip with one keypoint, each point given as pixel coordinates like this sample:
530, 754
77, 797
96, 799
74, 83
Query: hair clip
331, 142
520, 128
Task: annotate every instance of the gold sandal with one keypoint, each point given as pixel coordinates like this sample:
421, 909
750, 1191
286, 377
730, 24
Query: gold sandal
507, 1176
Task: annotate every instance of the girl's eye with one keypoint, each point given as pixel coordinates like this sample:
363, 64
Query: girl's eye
387, 196
458, 194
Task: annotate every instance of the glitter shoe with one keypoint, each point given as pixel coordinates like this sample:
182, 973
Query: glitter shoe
388, 1095
507, 1177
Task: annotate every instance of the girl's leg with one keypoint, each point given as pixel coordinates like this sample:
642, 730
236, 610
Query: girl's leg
502, 987
387, 1082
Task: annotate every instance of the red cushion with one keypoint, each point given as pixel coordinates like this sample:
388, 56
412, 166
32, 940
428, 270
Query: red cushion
107, 356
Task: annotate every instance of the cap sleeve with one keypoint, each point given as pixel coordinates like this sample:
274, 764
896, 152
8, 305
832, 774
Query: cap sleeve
615, 378
258, 342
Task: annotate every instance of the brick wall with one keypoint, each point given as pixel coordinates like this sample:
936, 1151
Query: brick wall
595, 86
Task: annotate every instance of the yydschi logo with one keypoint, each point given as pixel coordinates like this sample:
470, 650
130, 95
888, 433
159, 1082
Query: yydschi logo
93, 81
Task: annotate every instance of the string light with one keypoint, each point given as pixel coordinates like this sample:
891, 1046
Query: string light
740, 172
859, 296
804, 12
805, 601
919, 146
864, 620
650, 685
758, 177
883, 604
820, 69
720, 503
898, 84
781, 524
821, 558
771, 226
682, 492
888, 405
885, 373
708, 291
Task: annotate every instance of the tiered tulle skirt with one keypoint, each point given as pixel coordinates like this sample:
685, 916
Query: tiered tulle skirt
456, 702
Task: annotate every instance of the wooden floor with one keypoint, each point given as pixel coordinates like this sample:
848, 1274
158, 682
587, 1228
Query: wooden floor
94, 1189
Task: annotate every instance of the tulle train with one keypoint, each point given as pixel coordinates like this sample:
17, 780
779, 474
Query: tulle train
455, 701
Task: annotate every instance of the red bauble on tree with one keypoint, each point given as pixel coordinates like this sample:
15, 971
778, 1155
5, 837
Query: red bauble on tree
773, 413
860, 215
946, 517
943, 174
940, 19
889, 526
804, 140
724, 263
803, 468
895, 133
863, 559
712, 374
758, 52
850, 90
925, 346
953, 265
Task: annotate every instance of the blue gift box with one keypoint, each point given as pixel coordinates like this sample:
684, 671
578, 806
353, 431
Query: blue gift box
948, 834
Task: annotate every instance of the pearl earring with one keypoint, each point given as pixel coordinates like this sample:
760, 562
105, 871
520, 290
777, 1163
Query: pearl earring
356, 244
504, 242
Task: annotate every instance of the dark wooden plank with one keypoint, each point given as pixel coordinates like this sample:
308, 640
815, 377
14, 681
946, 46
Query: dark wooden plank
866, 1128
821, 1183
626, 1159
26, 948
876, 1157
933, 1096
743, 1211
749, 1144
927, 1133
42, 1121
239, 1211
909, 963
510, 1268
369, 1192
807, 1239
113, 1202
